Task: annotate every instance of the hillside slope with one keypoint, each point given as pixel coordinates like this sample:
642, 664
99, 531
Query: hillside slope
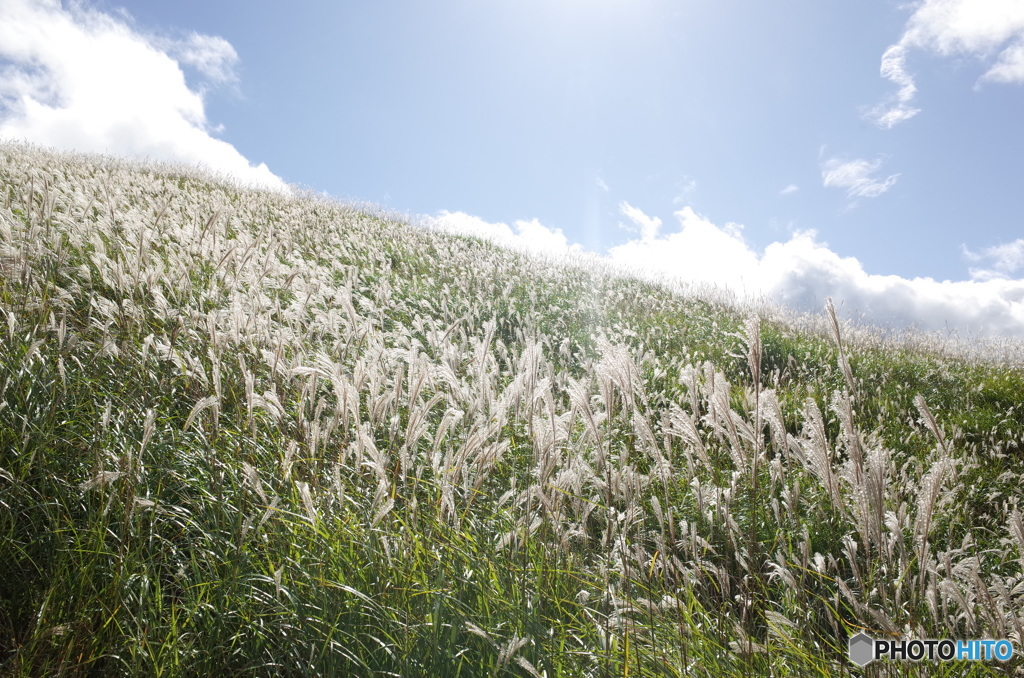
243, 433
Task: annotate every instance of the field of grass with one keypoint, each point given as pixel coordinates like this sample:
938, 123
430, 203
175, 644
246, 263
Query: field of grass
250, 434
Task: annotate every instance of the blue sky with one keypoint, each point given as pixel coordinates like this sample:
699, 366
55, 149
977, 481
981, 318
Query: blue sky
869, 151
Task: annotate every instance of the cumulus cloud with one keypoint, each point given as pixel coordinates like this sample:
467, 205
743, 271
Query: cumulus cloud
530, 236
699, 252
81, 79
802, 272
807, 272
1002, 260
857, 177
991, 31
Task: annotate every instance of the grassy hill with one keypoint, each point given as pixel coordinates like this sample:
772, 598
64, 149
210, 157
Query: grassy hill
245, 433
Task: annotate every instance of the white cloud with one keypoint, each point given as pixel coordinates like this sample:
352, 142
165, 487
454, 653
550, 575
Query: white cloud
530, 236
789, 190
856, 176
802, 272
600, 183
990, 30
81, 79
1005, 260
648, 227
699, 252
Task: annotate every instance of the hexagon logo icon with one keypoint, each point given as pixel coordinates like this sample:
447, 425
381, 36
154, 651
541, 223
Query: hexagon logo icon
861, 649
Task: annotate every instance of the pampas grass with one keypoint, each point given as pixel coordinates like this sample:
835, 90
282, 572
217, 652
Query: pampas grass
250, 433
